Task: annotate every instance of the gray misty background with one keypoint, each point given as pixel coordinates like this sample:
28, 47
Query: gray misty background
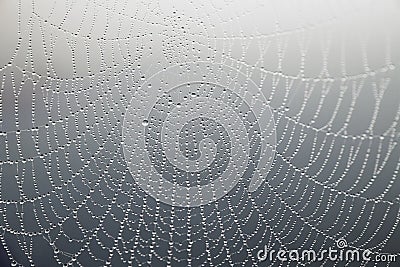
69, 69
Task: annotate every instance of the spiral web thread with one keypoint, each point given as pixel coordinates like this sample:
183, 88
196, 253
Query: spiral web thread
69, 70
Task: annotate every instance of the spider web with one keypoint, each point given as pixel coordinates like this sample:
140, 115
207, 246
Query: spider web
70, 69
